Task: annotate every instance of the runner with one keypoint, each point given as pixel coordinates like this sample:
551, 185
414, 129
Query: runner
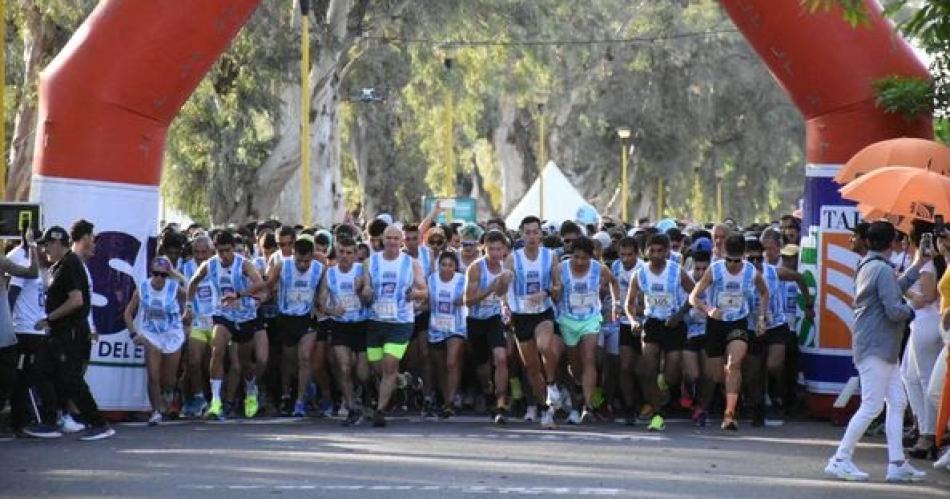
631, 347
199, 337
532, 314
663, 286
339, 296
487, 282
694, 355
154, 320
447, 333
417, 358
296, 281
731, 282
235, 318
396, 280
578, 284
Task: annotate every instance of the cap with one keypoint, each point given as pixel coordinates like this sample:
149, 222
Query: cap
385, 217
790, 250
161, 264
305, 237
702, 244
603, 238
55, 233
666, 224
634, 231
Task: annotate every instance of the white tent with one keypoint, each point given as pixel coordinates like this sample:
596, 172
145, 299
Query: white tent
561, 199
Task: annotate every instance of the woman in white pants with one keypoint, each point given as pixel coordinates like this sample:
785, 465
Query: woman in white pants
938, 377
923, 347
154, 319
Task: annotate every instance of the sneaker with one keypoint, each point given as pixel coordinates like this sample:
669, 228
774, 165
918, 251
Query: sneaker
903, 473
155, 419
428, 408
845, 470
97, 433
729, 422
943, 462
250, 403
188, 408
342, 412
700, 418
686, 402
547, 419
326, 408
379, 421
42, 431
300, 409
656, 423
287, 405
500, 418
200, 406
531, 414
567, 405
554, 397
174, 408
758, 416
573, 418
447, 412
353, 418
587, 415
227, 410
775, 416
215, 411
69, 425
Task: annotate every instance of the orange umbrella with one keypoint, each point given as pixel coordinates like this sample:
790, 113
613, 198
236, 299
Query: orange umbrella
870, 214
902, 191
917, 153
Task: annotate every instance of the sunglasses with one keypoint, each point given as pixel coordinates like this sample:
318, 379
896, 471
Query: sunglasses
755, 259
730, 259
437, 242
469, 244
160, 274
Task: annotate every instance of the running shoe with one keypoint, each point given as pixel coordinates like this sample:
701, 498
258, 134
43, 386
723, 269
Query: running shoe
97, 433
758, 416
42, 431
250, 403
700, 418
656, 423
573, 418
686, 402
447, 412
845, 470
554, 397
943, 462
326, 408
903, 473
547, 419
379, 421
287, 405
155, 419
200, 405
300, 409
342, 412
69, 425
215, 411
188, 409
587, 415
353, 418
174, 408
428, 407
500, 418
775, 416
531, 414
227, 410
729, 422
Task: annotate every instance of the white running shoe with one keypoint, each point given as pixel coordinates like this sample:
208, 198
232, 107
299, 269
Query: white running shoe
845, 470
531, 414
342, 412
547, 419
943, 462
574, 418
155, 419
69, 425
554, 397
903, 473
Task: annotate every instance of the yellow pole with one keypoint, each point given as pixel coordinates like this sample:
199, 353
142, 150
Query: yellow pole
542, 160
623, 180
659, 198
305, 117
3, 100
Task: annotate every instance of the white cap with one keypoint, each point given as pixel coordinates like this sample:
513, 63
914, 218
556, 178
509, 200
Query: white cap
385, 217
603, 238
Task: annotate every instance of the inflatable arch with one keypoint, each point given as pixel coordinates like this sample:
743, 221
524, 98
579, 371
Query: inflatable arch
107, 100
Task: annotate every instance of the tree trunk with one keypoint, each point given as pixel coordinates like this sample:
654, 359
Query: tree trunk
509, 150
39, 43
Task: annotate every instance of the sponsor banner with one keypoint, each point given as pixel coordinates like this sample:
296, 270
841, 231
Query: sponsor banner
125, 217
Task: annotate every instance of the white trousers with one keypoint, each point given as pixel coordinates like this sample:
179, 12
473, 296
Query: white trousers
880, 384
923, 348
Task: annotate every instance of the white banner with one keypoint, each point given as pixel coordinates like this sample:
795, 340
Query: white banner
125, 219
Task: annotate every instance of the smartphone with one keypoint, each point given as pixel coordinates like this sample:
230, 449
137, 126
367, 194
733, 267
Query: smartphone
938, 225
927, 244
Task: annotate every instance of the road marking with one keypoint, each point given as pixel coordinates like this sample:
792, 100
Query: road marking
465, 489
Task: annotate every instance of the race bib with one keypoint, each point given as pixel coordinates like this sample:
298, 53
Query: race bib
583, 300
385, 309
659, 301
530, 306
350, 303
443, 323
730, 301
299, 296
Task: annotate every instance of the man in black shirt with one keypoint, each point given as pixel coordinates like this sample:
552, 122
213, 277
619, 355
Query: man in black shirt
67, 311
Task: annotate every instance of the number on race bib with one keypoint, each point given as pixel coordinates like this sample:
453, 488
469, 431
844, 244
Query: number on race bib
730, 301
582, 300
443, 323
385, 310
350, 303
659, 301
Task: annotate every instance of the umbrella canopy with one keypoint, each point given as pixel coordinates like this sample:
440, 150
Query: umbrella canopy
918, 153
901, 191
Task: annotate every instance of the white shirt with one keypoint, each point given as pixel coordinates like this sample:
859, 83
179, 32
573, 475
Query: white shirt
30, 304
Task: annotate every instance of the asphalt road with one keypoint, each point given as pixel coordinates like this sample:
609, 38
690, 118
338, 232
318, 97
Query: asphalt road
459, 458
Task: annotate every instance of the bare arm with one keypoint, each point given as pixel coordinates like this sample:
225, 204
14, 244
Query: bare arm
31, 272
419, 288
200, 274
130, 310
257, 283
631, 304
695, 295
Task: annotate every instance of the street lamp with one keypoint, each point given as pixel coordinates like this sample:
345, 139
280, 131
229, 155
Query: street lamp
541, 98
624, 134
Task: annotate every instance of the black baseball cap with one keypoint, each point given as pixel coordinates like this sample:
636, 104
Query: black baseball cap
861, 229
55, 233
